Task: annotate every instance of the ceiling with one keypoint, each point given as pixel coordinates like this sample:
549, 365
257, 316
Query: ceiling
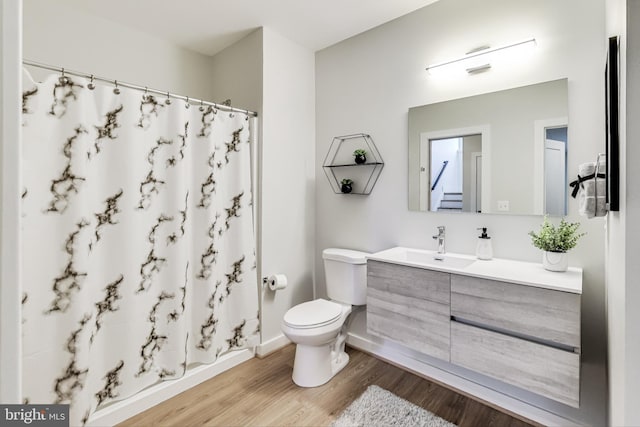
208, 26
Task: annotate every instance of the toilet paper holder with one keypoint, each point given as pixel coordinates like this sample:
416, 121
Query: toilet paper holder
275, 281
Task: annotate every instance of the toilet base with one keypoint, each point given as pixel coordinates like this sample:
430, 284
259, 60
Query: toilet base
316, 365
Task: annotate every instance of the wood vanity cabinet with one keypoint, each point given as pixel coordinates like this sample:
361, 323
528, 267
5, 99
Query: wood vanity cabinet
522, 335
409, 305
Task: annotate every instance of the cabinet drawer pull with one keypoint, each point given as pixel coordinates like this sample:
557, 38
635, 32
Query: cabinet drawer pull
518, 335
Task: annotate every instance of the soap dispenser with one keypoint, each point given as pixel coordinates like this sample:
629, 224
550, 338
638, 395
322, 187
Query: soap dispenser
483, 249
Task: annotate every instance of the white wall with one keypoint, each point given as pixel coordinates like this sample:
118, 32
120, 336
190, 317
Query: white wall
616, 251
236, 73
632, 227
287, 176
62, 36
275, 76
10, 288
623, 295
367, 83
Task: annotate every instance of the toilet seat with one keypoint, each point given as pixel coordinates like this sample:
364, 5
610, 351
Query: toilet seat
312, 314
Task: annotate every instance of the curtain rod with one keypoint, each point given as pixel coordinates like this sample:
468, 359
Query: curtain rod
188, 99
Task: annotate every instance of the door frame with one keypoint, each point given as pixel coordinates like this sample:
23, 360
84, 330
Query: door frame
561, 146
473, 196
539, 138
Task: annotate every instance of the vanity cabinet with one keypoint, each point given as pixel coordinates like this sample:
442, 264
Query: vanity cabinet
411, 306
521, 334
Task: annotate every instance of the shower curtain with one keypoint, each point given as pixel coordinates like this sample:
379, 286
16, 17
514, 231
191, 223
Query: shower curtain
138, 252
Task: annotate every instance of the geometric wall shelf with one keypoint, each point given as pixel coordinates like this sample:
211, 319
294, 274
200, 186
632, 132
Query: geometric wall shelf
340, 163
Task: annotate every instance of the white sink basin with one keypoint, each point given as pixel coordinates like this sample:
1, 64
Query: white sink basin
436, 259
424, 258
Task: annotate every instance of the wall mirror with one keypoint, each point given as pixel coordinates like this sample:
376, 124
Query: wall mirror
501, 153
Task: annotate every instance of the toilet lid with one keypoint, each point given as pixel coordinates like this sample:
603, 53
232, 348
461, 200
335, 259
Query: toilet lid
312, 314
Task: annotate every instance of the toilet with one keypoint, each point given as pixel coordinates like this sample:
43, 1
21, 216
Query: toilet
316, 327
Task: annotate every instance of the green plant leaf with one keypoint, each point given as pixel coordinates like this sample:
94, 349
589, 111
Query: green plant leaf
556, 239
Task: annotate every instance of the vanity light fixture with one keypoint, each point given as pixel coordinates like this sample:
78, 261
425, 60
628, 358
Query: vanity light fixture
479, 59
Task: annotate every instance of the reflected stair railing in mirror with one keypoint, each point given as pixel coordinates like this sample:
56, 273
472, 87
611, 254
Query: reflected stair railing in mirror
444, 166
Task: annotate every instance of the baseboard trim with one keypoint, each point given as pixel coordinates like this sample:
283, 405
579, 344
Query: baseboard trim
490, 397
140, 402
274, 344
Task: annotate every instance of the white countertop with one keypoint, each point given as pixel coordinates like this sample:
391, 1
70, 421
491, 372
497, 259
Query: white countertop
523, 273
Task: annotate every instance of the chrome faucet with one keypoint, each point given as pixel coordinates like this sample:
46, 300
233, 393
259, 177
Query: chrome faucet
440, 238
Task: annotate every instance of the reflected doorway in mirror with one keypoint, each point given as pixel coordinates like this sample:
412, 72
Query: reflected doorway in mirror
455, 181
550, 166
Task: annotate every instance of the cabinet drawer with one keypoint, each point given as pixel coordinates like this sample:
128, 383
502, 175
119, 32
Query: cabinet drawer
544, 370
544, 314
409, 281
419, 324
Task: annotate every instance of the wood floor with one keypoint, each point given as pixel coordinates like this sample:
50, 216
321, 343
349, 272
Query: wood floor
260, 392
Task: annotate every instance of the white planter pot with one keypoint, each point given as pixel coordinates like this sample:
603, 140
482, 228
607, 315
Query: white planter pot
555, 261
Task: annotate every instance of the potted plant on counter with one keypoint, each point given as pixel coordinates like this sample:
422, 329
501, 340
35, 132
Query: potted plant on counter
360, 156
346, 185
556, 242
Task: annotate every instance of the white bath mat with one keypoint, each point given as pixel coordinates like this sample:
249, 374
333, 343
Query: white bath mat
377, 407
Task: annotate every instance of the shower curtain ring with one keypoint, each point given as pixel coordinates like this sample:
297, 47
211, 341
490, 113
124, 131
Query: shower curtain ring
201, 105
116, 90
168, 100
91, 86
187, 105
63, 79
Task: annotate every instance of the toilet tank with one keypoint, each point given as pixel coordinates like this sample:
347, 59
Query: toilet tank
346, 275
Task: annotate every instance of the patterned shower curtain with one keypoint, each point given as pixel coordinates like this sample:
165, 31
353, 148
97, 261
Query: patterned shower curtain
138, 252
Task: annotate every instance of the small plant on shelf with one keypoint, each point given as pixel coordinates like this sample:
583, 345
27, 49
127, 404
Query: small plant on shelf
347, 185
360, 156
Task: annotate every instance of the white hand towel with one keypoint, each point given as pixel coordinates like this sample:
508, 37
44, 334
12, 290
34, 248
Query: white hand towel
587, 195
586, 169
601, 187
